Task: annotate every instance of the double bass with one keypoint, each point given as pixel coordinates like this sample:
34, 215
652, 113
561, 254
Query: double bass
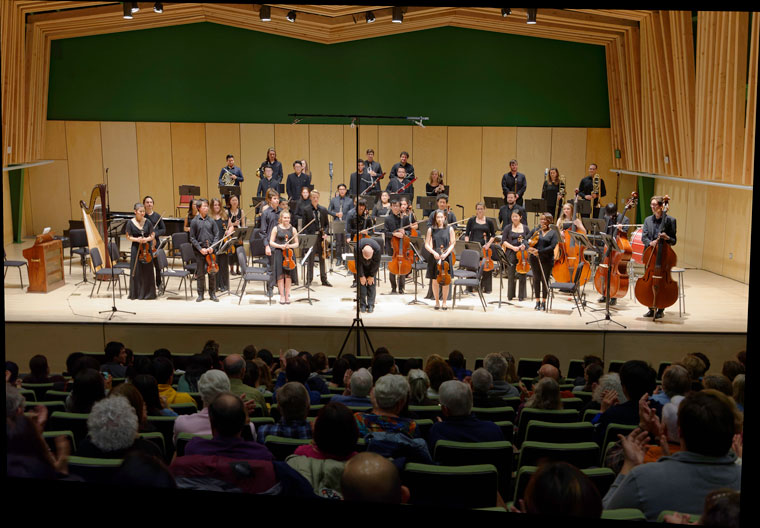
657, 289
616, 262
403, 256
576, 253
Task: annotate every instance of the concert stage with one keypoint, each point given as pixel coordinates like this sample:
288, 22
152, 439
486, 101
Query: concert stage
714, 321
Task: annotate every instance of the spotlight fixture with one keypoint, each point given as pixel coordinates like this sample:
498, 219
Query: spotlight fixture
135, 7
127, 10
265, 13
158, 7
370, 16
291, 16
505, 11
398, 15
532, 12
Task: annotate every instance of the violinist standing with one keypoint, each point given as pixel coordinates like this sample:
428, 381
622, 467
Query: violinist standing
611, 215
439, 241
219, 215
204, 232
159, 228
542, 259
483, 230
283, 237
649, 235
142, 283
514, 238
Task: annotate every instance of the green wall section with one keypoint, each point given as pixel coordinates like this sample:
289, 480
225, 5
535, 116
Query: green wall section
212, 73
16, 187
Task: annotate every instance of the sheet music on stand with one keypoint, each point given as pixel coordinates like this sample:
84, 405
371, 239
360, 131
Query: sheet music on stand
595, 226
306, 247
229, 190
537, 206
191, 190
117, 227
494, 202
427, 202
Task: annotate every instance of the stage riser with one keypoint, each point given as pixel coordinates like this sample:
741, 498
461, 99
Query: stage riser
57, 340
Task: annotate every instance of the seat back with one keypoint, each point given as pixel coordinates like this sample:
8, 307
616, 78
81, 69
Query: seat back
602, 478
39, 389
469, 259
97, 262
186, 252
184, 438
614, 429
51, 406
97, 470
179, 238
494, 414
65, 421
165, 425
578, 272
528, 414
50, 436
575, 369
54, 395
581, 454
429, 412
539, 431
282, 447
163, 262
113, 249
624, 514
473, 486
572, 403
528, 367
589, 414
184, 408
499, 454
242, 261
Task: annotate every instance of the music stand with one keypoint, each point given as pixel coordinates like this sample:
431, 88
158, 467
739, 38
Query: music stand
336, 226
595, 226
417, 243
609, 241
371, 200
256, 200
192, 190
583, 208
427, 203
229, 190
399, 196
306, 245
536, 206
494, 202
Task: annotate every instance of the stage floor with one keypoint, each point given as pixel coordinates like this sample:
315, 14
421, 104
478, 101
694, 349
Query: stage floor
713, 304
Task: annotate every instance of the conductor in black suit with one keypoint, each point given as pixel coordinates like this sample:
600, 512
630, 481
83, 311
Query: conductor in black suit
319, 226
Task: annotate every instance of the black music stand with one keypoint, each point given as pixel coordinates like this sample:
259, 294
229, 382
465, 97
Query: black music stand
595, 226
427, 203
371, 199
306, 245
226, 191
256, 200
399, 196
609, 241
580, 239
112, 233
417, 244
336, 226
494, 202
583, 208
536, 206
192, 190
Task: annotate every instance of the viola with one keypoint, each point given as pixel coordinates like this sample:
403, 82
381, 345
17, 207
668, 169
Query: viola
144, 253
657, 289
444, 272
523, 266
288, 262
617, 261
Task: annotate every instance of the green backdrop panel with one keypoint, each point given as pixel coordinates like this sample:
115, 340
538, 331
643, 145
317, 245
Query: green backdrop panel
207, 72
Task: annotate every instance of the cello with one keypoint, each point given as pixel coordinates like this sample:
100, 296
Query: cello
616, 262
403, 256
575, 254
657, 289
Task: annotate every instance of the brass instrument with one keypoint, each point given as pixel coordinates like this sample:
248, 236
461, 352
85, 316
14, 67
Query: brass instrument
560, 195
595, 190
227, 179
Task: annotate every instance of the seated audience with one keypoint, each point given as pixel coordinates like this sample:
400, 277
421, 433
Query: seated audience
234, 366
609, 383
135, 399
732, 368
720, 383
382, 364
11, 374
155, 404
591, 375
358, 388
457, 364
707, 423
369, 477
388, 399
340, 367
297, 370
559, 488
116, 359
458, 423
249, 353
293, 405
696, 368
675, 382
418, 388
551, 359
738, 386
545, 396
482, 383
438, 371
264, 382
319, 364
140, 470
163, 370
496, 364
512, 376
88, 388
722, 509
40, 371
588, 361
196, 366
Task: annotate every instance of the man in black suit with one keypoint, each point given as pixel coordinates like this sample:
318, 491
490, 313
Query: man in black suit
319, 226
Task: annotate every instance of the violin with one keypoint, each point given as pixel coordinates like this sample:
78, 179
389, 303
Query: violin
444, 272
523, 266
288, 262
617, 261
487, 260
657, 289
211, 265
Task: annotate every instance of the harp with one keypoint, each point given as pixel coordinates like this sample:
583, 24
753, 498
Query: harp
95, 223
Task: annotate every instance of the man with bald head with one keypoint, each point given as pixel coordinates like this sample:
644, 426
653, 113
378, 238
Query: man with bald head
366, 269
369, 477
550, 371
234, 366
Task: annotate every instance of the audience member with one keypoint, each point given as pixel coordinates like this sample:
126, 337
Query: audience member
591, 375
738, 386
482, 383
293, 405
704, 359
496, 364
88, 388
418, 388
675, 382
196, 366
696, 368
266, 356
551, 359
249, 353
340, 367
297, 370
545, 396
388, 399
741, 357
140, 470
382, 364
358, 388
27, 454
251, 376
71, 360
559, 488
587, 361
609, 383
369, 477
264, 379
457, 364
319, 363
512, 376
40, 371
116, 359
680, 482
234, 366
155, 404
438, 371
135, 399
720, 383
458, 423
163, 370
732, 368
11, 374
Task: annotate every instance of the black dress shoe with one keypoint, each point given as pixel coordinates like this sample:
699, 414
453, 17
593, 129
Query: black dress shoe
214, 297
199, 299
613, 302
325, 283
538, 305
393, 291
370, 309
353, 284
602, 299
401, 292
650, 313
362, 309
660, 314
543, 306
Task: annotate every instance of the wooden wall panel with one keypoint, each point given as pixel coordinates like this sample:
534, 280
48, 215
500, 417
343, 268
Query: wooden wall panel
534, 146
223, 139
391, 140
28, 219
120, 156
85, 161
499, 146
568, 154
154, 166
715, 219
326, 145
368, 138
348, 164
430, 153
292, 143
693, 237
599, 150
49, 189
255, 139
737, 234
189, 155
463, 155
55, 140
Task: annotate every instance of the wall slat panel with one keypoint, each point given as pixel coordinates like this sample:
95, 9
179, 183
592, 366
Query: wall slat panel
693, 239
568, 154
120, 156
189, 156
534, 147
463, 155
347, 165
85, 161
7, 216
715, 219
430, 153
292, 143
499, 146
255, 139
748, 163
368, 138
737, 234
326, 145
391, 141
223, 139
154, 167
49, 189
26, 223
55, 140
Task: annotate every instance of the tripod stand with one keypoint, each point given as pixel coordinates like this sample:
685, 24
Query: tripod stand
611, 245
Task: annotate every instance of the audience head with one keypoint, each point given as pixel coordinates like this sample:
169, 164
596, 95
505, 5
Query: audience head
610, 381
390, 393
335, 431
637, 378
738, 386
38, 366
591, 359
496, 364
319, 362
559, 488
551, 359
135, 399
148, 387
297, 369
353, 363
370, 477
163, 370
266, 356
234, 366
142, 470
545, 395
456, 359
115, 352
27, 454
11, 372
211, 384
293, 401
720, 383
361, 383
482, 381
339, 370
676, 380
249, 353
722, 508
707, 422
112, 424
732, 368
82, 363
418, 386
251, 376
704, 359
593, 372
71, 360
265, 375
512, 376
741, 357
227, 415
382, 364
694, 365
14, 402
456, 398
438, 371
88, 389
162, 352
547, 370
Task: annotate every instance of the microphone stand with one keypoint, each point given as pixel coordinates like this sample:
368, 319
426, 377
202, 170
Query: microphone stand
610, 245
107, 208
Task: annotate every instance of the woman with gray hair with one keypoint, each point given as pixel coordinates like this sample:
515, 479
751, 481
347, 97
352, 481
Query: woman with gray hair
112, 431
388, 400
419, 383
607, 384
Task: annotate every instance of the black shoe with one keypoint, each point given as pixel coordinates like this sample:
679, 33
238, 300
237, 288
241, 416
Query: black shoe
538, 305
613, 302
353, 284
660, 314
200, 297
362, 309
325, 283
650, 313
520, 299
543, 306
401, 292
393, 291
487, 292
370, 309
602, 299
214, 298
437, 307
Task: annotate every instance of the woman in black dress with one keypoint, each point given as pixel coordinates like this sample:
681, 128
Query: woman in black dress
542, 259
219, 215
483, 230
301, 204
235, 219
439, 241
383, 207
513, 239
142, 281
550, 191
159, 230
433, 188
192, 212
283, 236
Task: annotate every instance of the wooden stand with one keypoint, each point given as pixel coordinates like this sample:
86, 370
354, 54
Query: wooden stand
45, 260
